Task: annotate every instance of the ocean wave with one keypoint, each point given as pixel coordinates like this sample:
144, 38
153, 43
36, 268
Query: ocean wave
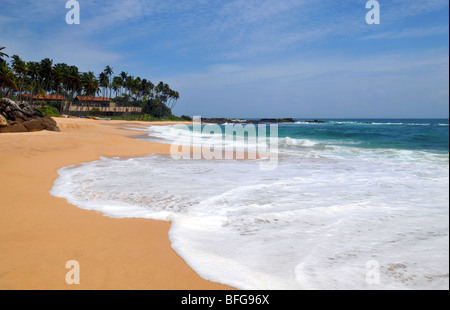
380, 123
296, 142
305, 225
289, 145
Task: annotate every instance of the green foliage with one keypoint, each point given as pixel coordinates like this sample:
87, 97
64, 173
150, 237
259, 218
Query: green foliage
156, 108
49, 110
96, 112
148, 118
186, 118
172, 118
19, 77
41, 103
125, 101
55, 104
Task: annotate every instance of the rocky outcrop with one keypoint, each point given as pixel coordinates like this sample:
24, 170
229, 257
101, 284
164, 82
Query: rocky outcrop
245, 121
3, 121
21, 117
316, 121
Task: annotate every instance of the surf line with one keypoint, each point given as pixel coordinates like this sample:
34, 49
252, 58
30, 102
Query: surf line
237, 142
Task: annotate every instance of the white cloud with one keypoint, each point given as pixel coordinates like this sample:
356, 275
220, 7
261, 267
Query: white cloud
261, 48
303, 69
337, 85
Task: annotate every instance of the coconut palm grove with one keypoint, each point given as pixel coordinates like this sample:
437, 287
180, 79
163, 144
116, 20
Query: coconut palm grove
61, 89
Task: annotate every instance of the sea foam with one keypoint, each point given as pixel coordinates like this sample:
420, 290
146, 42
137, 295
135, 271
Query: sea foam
313, 223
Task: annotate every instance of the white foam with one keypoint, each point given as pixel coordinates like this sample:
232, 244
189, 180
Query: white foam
313, 223
296, 142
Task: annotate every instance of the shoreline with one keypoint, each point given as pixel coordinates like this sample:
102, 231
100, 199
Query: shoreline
40, 233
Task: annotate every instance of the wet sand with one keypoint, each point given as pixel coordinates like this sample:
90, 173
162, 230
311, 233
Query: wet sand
40, 233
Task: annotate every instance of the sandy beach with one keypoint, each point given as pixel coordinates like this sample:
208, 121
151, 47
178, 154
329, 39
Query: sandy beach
40, 233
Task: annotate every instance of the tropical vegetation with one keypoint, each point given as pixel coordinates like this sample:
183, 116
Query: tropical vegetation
22, 80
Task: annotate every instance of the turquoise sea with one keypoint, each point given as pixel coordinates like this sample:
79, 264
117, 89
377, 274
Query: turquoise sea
431, 135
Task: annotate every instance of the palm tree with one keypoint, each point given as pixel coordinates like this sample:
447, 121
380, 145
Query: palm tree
20, 68
150, 89
46, 73
109, 72
58, 77
7, 78
129, 84
90, 84
173, 99
159, 89
137, 86
3, 54
74, 84
116, 84
33, 78
104, 82
61, 79
61, 82
124, 76
74, 81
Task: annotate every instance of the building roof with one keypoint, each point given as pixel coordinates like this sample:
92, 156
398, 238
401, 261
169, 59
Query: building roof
93, 99
42, 97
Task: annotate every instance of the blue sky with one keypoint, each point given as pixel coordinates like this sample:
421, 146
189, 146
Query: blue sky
254, 58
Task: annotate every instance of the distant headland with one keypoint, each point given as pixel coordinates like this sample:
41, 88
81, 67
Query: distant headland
256, 121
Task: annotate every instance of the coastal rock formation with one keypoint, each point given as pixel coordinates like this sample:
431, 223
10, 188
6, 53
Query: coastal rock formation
3, 121
21, 117
246, 121
316, 121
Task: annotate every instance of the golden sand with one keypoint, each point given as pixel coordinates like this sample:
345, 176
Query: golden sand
40, 233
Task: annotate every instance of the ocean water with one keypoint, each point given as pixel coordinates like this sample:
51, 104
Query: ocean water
352, 204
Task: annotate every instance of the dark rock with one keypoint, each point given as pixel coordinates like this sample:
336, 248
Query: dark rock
278, 120
13, 127
22, 117
50, 123
244, 121
316, 121
3, 121
34, 125
216, 120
